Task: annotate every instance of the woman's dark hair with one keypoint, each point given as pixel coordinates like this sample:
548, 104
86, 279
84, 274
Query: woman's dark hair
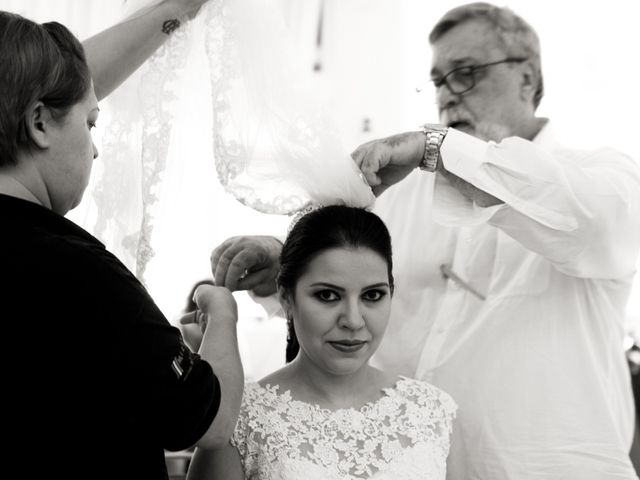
330, 227
43, 62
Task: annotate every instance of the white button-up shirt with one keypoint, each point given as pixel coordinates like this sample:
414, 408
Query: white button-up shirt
526, 330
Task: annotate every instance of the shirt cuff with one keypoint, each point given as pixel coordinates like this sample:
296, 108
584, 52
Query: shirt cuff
451, 208
461, 155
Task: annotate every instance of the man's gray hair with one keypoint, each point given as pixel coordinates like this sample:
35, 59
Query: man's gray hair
518, 38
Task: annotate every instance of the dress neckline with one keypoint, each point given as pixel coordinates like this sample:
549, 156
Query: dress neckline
287, 399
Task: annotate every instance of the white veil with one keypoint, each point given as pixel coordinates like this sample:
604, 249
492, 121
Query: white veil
221, 114
275, 148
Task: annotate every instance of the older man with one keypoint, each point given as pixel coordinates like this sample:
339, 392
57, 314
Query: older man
513, 263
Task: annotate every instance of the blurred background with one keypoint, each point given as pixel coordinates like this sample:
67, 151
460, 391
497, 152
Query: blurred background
372, 59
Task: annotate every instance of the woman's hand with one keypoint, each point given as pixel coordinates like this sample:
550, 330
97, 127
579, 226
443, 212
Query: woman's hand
214, 304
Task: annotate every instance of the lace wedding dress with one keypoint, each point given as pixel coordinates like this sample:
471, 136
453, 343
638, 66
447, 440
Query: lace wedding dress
402, 436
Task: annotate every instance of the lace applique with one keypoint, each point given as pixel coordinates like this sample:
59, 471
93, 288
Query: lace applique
403, 435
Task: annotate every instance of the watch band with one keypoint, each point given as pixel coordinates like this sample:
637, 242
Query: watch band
435, 136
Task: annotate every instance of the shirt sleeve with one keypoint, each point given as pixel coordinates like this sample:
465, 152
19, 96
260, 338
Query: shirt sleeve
178, 392
579, 210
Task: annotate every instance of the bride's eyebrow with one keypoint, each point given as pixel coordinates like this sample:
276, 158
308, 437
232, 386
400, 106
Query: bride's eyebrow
377, 285
327, 285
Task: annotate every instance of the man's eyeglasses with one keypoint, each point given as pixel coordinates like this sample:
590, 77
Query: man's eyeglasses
462, 79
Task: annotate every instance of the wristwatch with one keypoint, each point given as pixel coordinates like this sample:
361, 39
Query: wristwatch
435, 135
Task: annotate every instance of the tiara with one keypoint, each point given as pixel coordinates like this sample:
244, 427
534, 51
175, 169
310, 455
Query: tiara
310, 207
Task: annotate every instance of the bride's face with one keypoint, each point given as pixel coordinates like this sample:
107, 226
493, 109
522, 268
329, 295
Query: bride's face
341, 307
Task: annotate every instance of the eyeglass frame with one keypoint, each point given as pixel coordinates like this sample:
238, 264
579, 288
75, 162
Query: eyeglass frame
472, 70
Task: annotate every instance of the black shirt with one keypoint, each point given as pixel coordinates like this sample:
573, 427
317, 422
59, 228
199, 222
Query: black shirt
97, 382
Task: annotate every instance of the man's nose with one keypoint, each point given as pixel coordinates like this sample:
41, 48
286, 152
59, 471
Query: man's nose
445, 98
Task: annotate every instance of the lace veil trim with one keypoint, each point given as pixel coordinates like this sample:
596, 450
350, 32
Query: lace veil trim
273, 146
276, 150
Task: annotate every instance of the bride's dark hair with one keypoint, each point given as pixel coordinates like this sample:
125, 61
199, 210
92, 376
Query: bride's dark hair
329, 227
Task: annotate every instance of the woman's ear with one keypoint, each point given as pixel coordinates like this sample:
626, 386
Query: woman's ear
38, 122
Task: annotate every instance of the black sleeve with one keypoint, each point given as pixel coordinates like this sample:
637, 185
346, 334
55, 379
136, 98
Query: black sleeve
178, 392
168, 395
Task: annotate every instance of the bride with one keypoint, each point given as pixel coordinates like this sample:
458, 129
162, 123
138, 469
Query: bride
328, 414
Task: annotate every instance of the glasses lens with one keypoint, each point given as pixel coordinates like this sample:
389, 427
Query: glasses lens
461, 80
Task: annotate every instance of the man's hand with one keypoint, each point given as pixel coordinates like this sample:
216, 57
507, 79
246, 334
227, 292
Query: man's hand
386, 161
247, 263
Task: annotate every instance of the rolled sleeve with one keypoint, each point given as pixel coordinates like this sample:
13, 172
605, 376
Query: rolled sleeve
578, 209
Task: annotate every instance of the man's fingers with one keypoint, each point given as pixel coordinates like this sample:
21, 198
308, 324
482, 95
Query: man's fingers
220, 250
254, 279
238, 268
220, 264
236, 260
372, 178
371, 158
369, 167
358, 155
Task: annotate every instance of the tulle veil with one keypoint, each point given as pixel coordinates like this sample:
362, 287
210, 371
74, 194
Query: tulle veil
272, 144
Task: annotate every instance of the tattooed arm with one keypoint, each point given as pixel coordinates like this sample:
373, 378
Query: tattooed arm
118, 51
386, 161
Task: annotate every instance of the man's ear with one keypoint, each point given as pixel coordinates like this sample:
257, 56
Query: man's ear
529, 82
38, 123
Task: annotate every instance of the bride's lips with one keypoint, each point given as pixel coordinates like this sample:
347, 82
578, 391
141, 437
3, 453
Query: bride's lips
347, 346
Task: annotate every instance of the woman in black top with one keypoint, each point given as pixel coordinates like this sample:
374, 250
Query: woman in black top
95, 377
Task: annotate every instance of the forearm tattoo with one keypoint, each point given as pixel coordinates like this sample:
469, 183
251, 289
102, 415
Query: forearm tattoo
398, 139
170, 26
